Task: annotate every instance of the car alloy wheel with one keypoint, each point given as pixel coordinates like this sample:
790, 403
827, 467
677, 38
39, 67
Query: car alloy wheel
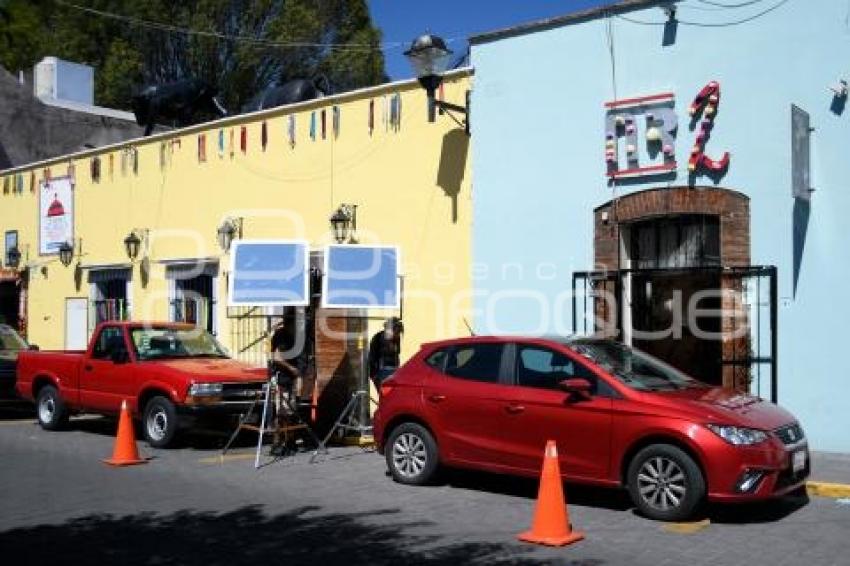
409, 455
662, 484
157, 424
47, 409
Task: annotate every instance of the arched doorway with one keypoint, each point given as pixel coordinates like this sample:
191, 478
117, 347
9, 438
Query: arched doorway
677, 263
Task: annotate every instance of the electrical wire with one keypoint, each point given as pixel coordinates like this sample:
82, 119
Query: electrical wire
609, 35
709, 25
229, 37
724, 5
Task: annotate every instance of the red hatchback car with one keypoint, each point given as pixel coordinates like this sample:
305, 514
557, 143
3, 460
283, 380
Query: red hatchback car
619, 416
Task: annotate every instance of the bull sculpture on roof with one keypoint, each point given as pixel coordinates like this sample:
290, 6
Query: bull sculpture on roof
290, 92
180, 102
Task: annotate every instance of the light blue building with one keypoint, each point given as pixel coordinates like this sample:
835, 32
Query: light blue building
582, 155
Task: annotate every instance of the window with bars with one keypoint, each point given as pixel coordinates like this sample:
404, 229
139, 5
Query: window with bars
193, 298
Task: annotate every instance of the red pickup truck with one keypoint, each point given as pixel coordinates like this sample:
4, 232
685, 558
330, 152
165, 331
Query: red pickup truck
170, 374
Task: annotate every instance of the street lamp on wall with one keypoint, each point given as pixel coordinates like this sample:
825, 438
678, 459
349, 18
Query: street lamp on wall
133, 244
429, 56
230, 229
344, 223
66, 254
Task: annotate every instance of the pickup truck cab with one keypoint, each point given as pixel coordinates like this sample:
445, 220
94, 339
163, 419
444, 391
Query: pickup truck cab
168, 373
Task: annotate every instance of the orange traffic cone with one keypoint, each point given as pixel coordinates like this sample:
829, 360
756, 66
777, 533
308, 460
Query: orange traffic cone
125, 452
551, 524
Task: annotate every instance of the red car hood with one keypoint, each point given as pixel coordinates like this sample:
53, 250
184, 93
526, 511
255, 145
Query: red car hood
209, 370
722, 406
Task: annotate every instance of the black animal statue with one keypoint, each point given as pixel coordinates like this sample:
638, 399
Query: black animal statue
180, 102
290, 92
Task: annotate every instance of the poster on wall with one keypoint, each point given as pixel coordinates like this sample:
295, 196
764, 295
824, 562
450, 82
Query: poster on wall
55, 215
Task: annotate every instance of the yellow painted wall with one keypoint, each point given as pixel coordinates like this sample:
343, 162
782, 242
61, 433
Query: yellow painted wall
412, 185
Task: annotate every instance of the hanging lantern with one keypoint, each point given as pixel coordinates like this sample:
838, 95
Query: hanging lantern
66, 254
132, 244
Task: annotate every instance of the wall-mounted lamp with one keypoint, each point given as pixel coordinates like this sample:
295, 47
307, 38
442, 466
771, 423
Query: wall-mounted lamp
133, 243
429, 57
344, 223
230, 229
66, 254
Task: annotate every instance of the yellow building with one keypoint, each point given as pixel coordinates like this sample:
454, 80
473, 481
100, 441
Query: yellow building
280, 174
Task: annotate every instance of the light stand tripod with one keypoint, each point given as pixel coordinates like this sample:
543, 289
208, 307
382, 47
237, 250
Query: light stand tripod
271, 387
349, 420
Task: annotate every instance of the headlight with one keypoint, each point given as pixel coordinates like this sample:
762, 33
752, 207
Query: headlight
205, 389
739, 436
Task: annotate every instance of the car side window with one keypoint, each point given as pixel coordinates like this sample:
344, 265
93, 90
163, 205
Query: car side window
437, 360
543, 368
475, 362
110, 340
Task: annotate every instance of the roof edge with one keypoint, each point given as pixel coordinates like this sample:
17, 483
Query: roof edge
566, 19
233, 120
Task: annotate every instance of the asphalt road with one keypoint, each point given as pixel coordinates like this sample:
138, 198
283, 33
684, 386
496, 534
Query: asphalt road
60, 505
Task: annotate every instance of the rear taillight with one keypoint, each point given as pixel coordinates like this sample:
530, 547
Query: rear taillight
386, 389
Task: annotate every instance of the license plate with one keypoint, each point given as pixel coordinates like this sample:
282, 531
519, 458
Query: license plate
798, 461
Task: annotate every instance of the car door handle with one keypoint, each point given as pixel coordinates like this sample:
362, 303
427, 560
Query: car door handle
515, 409
87, 367
436, 398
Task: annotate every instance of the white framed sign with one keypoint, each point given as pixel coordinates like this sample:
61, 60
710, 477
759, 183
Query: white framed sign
55, 215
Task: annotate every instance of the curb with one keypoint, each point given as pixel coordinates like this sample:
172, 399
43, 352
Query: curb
824, 489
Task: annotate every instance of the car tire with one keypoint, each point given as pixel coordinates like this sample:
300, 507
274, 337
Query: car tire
665, 483
159, 422
51, 410
412, 454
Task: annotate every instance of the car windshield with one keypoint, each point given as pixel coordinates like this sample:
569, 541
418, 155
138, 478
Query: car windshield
11, 340
633, 367
170, 343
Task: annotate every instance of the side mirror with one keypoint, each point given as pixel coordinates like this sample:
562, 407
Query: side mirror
576, 386
120, 356
34, 347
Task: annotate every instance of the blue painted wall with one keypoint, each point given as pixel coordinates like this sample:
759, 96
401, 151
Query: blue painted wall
539, 168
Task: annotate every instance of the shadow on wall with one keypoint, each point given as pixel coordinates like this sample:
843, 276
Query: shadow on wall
802, 211
453, 165
836, 107
246, 536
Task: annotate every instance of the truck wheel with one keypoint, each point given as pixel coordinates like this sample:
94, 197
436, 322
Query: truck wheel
52, 413
412, 454
159, 422
665, 483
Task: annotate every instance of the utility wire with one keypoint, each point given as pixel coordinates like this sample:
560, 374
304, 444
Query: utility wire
229, 37
709, 25
724, 5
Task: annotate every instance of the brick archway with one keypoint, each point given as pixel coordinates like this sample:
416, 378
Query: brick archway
732, 212
731, 207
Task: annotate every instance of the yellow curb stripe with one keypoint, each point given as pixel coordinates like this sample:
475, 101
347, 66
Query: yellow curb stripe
18, 422
220, 459
686, 528
824, 489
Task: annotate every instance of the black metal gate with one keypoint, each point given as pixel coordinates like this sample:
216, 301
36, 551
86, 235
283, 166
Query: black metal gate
747, 298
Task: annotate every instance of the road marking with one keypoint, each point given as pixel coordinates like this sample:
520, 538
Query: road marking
19, 422
824, 489
686, 528
222, 458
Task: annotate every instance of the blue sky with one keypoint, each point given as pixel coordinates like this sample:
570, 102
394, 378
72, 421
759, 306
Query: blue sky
455, 20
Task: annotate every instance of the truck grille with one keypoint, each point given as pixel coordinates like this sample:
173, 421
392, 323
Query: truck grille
790, 434
242, 392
